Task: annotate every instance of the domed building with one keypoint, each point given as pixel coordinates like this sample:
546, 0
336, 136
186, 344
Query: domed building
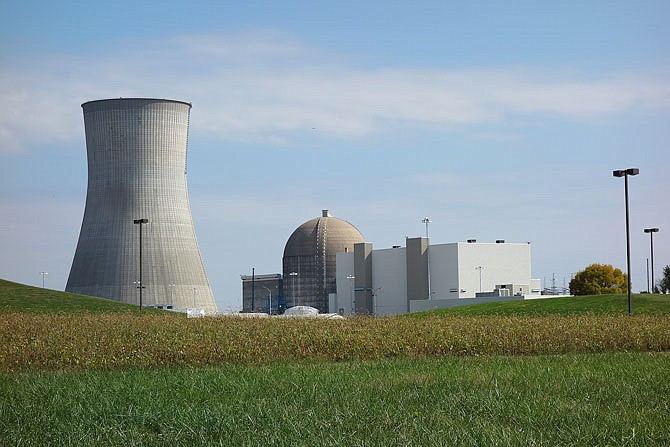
309, 259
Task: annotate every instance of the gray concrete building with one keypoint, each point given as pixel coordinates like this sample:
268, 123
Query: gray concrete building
421, 276
309, 259
136, 150
263, 293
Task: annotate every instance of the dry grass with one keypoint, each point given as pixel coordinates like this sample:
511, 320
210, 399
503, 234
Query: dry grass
110, 341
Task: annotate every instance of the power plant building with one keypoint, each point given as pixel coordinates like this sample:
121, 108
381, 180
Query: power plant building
137, 196
309, 267
421, 276
309, 261
263, 293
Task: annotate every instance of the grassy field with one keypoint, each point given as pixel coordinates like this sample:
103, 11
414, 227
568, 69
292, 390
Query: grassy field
569, 400
19, 298
641, 304
577, 371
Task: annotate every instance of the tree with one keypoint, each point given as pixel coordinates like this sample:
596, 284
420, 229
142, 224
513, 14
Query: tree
663, 284
597, 279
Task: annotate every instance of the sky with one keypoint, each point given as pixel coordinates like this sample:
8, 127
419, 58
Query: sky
497, 120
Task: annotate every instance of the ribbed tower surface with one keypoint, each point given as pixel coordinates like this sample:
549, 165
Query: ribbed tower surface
137, 170
309, 259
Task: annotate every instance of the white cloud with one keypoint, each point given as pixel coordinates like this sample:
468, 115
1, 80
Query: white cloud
268, 87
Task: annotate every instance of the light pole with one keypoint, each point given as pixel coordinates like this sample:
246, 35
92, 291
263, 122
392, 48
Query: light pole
651, 232
172, 286
43, 275
625, 173
351, 292
270, 300
648, 276
195, 291
293, 275
427, 221
141, 286
480, 268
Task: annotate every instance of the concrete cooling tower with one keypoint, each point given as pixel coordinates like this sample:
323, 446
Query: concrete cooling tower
137, 170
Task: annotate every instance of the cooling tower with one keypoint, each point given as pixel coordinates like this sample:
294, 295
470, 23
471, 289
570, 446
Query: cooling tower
136, 152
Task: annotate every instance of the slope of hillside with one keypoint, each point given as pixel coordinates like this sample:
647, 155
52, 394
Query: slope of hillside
642, 304
21, 298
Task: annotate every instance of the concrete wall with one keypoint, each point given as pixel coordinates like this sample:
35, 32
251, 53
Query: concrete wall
389, 281
137, 170
343, 298
505, 263
363, 278
444, 271
416, 255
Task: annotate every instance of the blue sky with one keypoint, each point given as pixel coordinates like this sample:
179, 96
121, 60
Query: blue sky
498, 120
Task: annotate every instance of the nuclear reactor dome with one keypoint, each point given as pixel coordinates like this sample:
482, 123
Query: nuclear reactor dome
309, 259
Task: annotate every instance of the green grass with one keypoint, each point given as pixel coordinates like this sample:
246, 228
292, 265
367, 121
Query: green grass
642, 304
19, 298
575, 400
83, 371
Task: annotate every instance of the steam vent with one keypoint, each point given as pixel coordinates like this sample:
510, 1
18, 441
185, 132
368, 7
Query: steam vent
137, 170
309, 259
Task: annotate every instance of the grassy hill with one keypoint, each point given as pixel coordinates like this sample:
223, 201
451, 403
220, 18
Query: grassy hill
19, 298
642, 304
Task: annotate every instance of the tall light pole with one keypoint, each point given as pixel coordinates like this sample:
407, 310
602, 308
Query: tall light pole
141, 286
648, 290
172, 286
270, 300
480, 268
625, 173
651, 232
427, 221
293, 275
195, 292
43, 275
351, 292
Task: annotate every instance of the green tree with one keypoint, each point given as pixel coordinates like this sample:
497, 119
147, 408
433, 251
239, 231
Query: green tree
597, 279
663, 284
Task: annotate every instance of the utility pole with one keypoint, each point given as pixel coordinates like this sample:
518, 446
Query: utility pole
427, 221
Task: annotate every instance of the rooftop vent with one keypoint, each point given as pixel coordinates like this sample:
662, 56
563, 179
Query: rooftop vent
325, 213
500, 241
472, 241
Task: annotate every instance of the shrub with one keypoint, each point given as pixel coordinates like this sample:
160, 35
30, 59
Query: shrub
598, 279
663, 284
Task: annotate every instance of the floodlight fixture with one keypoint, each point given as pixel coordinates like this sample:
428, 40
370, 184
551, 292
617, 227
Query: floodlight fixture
625, 172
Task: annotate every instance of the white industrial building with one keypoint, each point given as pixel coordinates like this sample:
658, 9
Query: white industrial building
421, 276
